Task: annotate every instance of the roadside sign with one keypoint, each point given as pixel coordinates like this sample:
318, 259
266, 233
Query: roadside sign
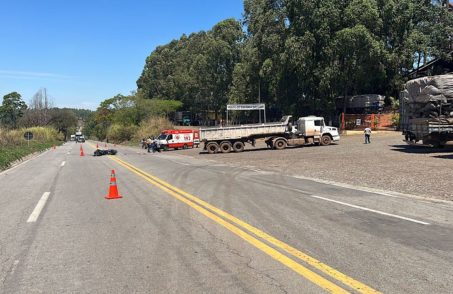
257, 106
28, 136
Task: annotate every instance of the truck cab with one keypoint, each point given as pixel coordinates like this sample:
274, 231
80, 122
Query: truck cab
314, 127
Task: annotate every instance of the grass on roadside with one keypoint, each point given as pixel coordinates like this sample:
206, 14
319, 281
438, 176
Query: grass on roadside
13, 146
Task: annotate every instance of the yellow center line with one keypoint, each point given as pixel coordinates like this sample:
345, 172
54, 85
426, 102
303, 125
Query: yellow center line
298, 268
349, 281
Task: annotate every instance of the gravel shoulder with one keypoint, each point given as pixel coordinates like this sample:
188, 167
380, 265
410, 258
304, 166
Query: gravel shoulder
387, 163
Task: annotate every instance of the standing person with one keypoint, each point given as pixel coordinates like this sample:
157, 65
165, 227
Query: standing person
149, 144
367, 133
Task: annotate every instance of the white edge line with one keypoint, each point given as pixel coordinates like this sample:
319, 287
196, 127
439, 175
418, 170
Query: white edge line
37, 211
63, 163
393, 194
372, 210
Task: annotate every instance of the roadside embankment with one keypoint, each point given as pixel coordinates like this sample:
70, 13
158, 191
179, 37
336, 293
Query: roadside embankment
13, 146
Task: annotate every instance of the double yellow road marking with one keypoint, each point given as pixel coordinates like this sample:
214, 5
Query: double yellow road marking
238, 226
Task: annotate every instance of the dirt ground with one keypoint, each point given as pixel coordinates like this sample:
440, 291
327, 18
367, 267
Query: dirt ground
387, 163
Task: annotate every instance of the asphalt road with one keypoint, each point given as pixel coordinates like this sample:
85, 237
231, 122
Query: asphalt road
188, 225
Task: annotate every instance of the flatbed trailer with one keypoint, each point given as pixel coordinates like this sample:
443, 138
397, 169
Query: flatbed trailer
279, 135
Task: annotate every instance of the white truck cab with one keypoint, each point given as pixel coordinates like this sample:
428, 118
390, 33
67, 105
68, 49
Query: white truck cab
314, 126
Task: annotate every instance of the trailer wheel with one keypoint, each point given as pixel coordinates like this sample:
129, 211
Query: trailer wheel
280, 144
325, 140
185, 146
225, 147
238, 146
212, 147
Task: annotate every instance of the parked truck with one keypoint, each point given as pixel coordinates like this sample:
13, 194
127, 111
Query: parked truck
433, 132
307, 130
426, 110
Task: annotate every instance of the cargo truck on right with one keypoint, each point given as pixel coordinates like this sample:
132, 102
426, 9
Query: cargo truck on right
426, 111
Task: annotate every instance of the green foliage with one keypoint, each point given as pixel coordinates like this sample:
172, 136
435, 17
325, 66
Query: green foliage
63, 120
118, 118
119, 133
195, 70
298, 56
12, 109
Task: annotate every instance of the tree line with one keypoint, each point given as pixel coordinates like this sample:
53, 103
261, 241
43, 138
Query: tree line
298, 56
40, 112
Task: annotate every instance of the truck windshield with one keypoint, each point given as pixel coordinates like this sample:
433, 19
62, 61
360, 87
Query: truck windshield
162, 137
319, 123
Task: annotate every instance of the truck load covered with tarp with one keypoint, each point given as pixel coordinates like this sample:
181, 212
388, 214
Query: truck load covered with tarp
361, 103
426, 110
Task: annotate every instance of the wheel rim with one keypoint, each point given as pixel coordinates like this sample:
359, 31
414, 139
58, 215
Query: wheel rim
225, 147
238, 146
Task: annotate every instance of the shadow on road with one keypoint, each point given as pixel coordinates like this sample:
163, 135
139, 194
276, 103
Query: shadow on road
256, 149
420, 149
449, 156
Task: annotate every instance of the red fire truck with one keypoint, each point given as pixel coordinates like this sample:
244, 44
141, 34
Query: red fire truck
179, 139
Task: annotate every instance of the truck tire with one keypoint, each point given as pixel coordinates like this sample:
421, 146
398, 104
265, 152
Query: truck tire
212, 147
325, 140
225, 147
238, 146
279, 144
185, 146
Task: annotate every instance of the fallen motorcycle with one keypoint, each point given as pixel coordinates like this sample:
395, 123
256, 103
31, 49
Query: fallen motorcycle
100, 152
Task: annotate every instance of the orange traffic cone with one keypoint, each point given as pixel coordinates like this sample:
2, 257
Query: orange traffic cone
81, 151
105, 145
97, 146
113, 189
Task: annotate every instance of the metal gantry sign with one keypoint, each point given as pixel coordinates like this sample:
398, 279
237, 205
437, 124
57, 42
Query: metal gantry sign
257, 106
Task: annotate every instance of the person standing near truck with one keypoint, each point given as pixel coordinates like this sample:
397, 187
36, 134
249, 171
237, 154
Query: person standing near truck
367, 133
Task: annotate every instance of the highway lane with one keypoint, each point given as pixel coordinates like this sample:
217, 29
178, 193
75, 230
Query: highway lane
153, 241
21, 188
379, 250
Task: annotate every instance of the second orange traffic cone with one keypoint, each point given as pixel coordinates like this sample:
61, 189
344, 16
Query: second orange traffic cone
113, 189
81, 151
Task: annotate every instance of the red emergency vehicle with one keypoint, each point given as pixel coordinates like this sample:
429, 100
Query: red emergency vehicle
179, 139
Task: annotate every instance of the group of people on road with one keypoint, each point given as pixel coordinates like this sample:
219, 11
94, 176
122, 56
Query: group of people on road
151, 143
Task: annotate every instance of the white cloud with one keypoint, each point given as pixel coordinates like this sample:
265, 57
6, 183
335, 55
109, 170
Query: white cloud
14, 74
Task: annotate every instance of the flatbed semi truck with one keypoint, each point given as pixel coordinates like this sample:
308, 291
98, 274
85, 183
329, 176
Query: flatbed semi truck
306, 131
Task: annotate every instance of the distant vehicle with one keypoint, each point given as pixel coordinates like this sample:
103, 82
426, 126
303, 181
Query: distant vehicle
308, 130
81, 139
178, 139
183, 118
73, 137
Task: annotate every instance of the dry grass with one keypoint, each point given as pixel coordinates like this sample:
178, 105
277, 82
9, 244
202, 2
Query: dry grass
14, 147
152, 127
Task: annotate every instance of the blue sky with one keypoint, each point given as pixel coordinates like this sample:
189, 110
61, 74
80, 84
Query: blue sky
83, 51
